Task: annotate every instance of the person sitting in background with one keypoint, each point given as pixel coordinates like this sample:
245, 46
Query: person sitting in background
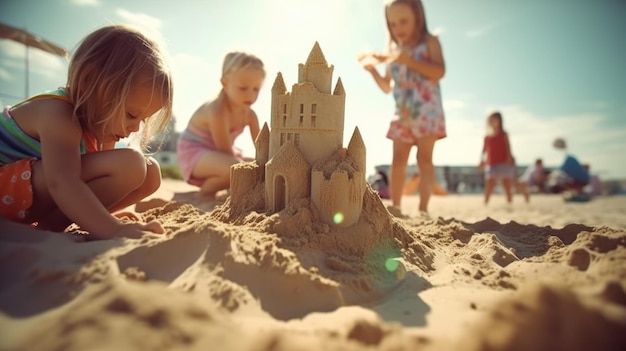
380, 183
534, 178
571, 177
206, 148
594, 187
576, 172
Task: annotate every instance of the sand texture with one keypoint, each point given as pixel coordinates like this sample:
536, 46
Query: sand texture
547, 275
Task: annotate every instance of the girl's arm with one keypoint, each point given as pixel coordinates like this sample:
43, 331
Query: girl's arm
509, 156
384, 83
481, 164
253, 124
433, 69
60, 136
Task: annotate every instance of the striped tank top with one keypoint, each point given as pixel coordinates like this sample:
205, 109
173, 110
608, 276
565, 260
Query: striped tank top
16, 145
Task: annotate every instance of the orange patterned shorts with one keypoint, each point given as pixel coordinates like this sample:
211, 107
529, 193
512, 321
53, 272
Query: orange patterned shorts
16, 190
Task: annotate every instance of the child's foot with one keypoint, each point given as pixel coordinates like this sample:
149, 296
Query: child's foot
205, 196
423, 214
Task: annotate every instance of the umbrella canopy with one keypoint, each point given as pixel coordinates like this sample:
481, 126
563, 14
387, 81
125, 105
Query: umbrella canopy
29, 39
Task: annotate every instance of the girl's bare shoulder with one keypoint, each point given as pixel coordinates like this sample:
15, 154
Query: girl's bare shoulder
38, 107
34, 115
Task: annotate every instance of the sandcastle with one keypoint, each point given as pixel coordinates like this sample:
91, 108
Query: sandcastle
302, 155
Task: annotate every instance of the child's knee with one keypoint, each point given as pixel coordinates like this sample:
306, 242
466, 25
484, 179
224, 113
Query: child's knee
133, 162
153, 177
141, 172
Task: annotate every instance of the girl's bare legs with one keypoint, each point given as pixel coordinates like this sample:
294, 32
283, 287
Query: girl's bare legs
118, 178
397, 173
507, 184
489, 185
214, 168
425, 148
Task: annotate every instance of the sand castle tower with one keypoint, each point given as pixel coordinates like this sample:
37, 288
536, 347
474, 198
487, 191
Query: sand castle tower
301, 155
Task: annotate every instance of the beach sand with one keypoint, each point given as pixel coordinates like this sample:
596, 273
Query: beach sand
546, 275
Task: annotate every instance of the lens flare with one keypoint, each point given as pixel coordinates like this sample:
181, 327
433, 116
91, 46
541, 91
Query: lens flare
338, 218
394, 265
391, 264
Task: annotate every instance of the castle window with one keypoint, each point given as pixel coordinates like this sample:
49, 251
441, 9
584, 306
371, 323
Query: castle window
282, 139
313, 114
284, 121
297, 139
301, 108
285, 109
301, 121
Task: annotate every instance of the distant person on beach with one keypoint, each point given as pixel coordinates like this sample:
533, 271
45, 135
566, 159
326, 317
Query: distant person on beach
571, 176
497, 159
594, 186
58, 162
534, 178
415, 65
380, 183
206, 147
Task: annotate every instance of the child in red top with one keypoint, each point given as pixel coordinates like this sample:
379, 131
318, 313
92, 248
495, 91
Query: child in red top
496, 158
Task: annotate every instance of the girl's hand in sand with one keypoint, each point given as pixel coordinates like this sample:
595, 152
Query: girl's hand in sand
129, 215
138, 230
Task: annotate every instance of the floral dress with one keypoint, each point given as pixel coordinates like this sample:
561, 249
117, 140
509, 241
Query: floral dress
419, 109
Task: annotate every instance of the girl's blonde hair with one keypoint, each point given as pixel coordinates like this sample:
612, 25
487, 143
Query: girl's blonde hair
101, 72
418, 11
237, 60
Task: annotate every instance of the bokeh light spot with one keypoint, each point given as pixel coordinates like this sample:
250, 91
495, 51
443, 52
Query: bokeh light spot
338, 218
391, 264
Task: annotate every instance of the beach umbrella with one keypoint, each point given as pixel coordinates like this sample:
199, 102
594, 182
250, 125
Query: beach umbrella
30, 40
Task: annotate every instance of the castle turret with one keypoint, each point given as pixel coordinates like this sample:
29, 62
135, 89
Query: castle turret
356, 150
316, 70
262, 145
279, 86
339, 88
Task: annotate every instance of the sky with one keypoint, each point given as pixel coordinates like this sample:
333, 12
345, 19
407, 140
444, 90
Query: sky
552, 68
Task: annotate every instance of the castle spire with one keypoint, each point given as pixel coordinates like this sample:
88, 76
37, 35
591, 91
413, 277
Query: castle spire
356, 149
339, 88
357, 140
261, 144
316, 57
279, 85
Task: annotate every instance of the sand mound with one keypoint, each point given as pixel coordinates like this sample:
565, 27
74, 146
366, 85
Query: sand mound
284, 281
